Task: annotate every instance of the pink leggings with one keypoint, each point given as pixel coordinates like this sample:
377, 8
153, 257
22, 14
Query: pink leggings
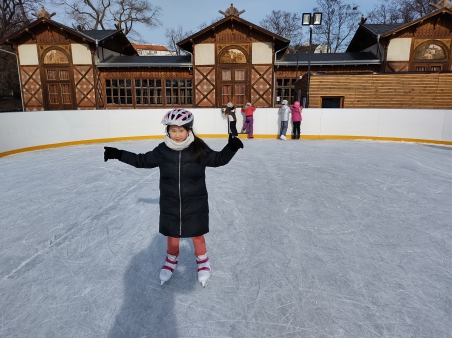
198, 242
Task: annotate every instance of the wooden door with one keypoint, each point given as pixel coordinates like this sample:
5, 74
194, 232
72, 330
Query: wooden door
59, 88
232, 85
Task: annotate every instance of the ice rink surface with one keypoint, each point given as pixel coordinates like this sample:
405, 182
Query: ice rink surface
307, 239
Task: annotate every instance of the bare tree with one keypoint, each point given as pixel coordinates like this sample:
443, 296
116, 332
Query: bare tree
204, 24
399, 11
88, 14
285, 24
339, 22
130, 12
383, 13
417, 8
106, 14
15, 14
173, 36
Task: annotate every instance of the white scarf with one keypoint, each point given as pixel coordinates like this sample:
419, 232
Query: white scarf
179, 145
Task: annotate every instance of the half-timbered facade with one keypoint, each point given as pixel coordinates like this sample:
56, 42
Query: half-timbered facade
58, 64
238, 61
233, 61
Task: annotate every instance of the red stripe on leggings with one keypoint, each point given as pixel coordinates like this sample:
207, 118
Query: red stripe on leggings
170, 261
168, 268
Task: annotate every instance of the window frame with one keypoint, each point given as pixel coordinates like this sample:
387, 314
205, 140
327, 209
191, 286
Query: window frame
341, 101
123, 92
143, 92
285, 90
146, 94
179, 92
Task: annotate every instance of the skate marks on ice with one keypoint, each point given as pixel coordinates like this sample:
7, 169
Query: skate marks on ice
308, 239
73, 230
337, 232
148, 308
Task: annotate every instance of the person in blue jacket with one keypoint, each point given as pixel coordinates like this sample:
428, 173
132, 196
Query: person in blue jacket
184, 210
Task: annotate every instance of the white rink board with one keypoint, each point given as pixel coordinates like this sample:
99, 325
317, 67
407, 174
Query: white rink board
419, 124
40, 128
354, 123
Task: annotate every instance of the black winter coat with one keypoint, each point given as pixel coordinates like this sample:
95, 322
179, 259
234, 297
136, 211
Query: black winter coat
184, 207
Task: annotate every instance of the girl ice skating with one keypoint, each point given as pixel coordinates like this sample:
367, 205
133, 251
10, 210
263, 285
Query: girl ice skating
184, 211
249, 119
232, 118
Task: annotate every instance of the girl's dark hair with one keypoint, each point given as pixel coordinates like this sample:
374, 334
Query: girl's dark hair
200, 148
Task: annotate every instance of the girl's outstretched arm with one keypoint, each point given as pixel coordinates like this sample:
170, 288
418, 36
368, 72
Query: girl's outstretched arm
150, 159
219, 158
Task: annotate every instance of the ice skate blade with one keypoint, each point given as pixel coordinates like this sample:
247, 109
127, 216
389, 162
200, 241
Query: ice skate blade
161, 282
204, 284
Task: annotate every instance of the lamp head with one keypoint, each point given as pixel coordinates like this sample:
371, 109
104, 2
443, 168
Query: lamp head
309, 19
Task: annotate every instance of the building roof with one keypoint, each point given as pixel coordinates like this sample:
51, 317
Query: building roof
147, 61
388, 29
279, 41
358, 58
90, 35
114, 40
283, 60
368, 35
438, 12
381, 28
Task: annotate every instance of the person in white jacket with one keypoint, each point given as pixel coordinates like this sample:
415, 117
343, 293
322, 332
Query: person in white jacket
284, 112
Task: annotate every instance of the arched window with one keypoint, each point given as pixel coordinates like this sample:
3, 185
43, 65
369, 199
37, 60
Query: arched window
430, 56
55, 56
233, 55
430, 51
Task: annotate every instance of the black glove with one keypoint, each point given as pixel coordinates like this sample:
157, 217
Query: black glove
112, 153
234, 143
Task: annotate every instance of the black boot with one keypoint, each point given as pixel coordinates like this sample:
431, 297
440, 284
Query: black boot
298, 136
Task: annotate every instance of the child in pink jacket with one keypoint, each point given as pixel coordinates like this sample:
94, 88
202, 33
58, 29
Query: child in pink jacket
296, 119
249, 111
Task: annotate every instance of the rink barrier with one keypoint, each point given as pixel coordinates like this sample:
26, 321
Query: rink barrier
36, 130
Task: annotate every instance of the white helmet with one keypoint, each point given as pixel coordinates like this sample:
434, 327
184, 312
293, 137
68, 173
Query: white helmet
284, 102
230, 105
178, 117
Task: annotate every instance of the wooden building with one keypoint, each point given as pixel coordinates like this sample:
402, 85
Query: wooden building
415, 70
234, 60
58, 64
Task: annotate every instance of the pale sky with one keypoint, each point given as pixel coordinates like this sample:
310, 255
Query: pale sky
191, 13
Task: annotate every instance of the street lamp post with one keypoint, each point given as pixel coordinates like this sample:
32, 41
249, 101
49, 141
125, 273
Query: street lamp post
18, 74
310, 20
296, 72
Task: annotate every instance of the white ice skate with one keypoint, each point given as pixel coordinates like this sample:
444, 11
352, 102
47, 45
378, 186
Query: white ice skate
203, 269
168, 268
